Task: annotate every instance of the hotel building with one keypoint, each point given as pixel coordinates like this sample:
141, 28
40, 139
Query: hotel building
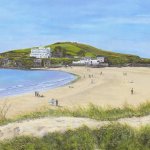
40, 52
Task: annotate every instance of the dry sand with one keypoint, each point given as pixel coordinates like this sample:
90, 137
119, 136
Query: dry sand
111, 88
43, 126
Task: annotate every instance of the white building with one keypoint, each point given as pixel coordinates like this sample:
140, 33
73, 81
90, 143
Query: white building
101, 59
88, 61
40, 52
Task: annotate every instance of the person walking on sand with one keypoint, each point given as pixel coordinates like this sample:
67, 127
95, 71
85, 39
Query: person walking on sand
56, 102
35, 93
132, 91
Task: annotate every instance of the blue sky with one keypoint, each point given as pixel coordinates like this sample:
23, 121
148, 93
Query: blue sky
121, 26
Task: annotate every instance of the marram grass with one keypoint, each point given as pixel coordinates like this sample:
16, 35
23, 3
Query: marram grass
110, 137
92, 111
95, 112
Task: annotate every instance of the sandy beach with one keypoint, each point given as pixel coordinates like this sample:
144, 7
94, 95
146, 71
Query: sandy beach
111, 88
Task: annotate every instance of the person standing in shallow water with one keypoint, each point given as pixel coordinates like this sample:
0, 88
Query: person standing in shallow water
132, 91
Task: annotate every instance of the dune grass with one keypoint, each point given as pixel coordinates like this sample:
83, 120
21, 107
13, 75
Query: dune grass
95, 112
110, 137
92, 111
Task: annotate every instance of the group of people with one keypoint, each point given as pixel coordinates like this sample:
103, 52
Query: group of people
37, 94
53, 102
91, 76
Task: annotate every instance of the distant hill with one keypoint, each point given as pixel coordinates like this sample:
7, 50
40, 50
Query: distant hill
78, 49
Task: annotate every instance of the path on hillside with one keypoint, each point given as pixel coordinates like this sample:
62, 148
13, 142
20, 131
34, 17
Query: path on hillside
40, 127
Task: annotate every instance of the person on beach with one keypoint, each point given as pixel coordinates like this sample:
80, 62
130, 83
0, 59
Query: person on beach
132, 91
56, 102
37, 94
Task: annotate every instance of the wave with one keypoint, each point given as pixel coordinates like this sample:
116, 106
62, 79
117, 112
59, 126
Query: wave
30, 86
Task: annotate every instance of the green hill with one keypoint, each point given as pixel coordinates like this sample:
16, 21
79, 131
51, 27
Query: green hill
113, 58
77, 49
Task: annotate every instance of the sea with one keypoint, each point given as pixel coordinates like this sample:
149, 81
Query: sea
15, 82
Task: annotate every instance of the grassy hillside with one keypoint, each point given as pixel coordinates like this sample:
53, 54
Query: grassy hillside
113, 58
78, 49
21, 53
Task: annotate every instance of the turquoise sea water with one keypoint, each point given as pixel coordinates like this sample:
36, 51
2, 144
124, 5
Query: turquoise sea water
13, 82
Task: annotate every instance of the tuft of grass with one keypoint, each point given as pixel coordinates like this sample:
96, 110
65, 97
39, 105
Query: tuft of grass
116, 137
144, 136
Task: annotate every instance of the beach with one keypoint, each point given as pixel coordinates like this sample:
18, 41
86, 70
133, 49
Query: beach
106, 87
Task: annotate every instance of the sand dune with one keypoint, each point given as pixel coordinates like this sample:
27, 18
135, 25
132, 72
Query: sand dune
43, 126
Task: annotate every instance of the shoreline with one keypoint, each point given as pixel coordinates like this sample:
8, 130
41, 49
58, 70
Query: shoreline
13, 94
111, 89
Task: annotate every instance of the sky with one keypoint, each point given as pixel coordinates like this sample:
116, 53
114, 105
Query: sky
115, 25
